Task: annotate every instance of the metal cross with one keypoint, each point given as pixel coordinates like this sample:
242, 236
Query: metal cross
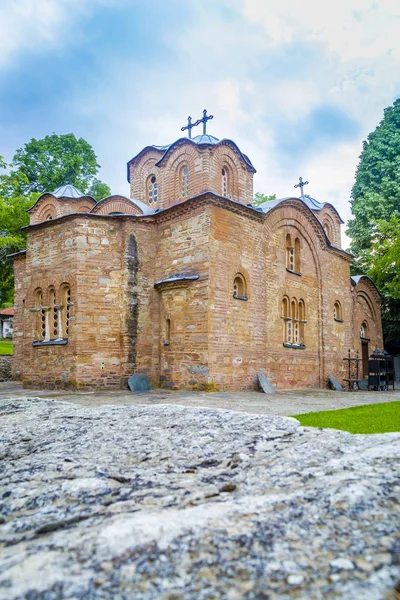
301, 184
204, 120
189, 127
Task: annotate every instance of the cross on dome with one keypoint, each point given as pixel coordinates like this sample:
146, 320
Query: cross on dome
204, 120
301, 184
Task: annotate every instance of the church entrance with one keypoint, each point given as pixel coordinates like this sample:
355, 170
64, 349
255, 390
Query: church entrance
365, 358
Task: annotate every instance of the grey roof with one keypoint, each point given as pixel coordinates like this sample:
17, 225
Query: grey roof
355, 279
146, 210
179, 277
205, 138
199, 140
67, 191
312, 204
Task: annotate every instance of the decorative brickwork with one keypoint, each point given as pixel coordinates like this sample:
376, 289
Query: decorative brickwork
200, 294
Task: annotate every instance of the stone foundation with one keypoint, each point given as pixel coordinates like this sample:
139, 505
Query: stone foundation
5, 368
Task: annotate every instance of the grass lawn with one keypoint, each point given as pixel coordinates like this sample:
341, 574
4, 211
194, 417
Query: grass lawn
6, 346
370, 418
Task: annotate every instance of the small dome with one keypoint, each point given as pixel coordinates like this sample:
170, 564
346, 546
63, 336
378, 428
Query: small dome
67, 191
205, 138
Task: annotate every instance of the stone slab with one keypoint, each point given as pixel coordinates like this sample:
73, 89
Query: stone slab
334, 384
265, 384
139, 382
162, 502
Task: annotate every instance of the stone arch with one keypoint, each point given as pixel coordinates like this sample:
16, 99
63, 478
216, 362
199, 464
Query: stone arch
181, 155
140, 171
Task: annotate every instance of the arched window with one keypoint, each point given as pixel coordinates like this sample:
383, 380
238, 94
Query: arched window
167, 332
239, 287
49, 218
293, 315
337, 311
302, 320
53, 314
65, 311
327, 228
297, 255
289, 253
225, 182
184, 181
364, 330
293, 254
152, 189
40, 327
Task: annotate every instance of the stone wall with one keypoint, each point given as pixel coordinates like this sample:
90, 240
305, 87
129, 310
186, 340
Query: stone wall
189, 334
5, 368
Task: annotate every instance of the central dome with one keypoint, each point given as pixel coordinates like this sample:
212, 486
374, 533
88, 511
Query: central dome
205, 138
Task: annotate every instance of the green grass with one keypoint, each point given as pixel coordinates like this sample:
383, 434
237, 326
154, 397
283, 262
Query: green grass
370, 418
6, 346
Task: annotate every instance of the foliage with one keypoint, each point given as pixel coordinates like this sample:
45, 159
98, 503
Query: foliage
6, 346
376, 208
57, 159
40, 166
370, 418
260, 198
13, 216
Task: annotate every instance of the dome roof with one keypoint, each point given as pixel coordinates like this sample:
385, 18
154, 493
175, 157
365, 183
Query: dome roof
205, 138
312, 204
67, 191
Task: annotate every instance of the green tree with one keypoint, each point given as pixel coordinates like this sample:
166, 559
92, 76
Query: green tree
375, 202
260, 198
13, 216
56, 160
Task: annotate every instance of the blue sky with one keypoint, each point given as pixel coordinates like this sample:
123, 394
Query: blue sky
297, 85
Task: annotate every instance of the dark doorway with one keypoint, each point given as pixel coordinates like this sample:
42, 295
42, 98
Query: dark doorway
365, 356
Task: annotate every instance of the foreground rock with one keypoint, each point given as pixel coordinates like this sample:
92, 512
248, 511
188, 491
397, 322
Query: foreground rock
166, 502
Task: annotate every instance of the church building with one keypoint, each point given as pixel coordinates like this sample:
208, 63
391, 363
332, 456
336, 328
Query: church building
188, 282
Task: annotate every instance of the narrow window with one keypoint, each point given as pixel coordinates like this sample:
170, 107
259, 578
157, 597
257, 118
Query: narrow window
53, 314
152, 189
167, 332
287, 324
295, 326
40, 328
239, 287
337, 311
225, 182
364, 330
327, 229
67, 310
302, 319
297, 255
184, 181
289, 253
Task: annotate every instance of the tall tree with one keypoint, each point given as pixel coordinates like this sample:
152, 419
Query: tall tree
56, 160
375, 202
40, 166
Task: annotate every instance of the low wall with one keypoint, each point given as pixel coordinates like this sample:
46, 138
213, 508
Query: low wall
5, 367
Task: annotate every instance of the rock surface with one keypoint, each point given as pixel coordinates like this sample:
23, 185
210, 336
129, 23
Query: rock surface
167, 502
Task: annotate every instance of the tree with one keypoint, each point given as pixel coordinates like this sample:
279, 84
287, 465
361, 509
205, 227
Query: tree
56, 160
260, 198
375, 202
13, 216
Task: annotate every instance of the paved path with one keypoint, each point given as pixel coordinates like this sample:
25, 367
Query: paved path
282, 403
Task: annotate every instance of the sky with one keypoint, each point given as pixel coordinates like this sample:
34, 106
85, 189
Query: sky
297, 85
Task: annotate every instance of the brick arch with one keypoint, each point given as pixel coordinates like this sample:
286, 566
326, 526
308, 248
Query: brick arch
238, 269
140, 171
366, 297
46, 206
116, 204
290, 215
327, 215
180, 156
223, 156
